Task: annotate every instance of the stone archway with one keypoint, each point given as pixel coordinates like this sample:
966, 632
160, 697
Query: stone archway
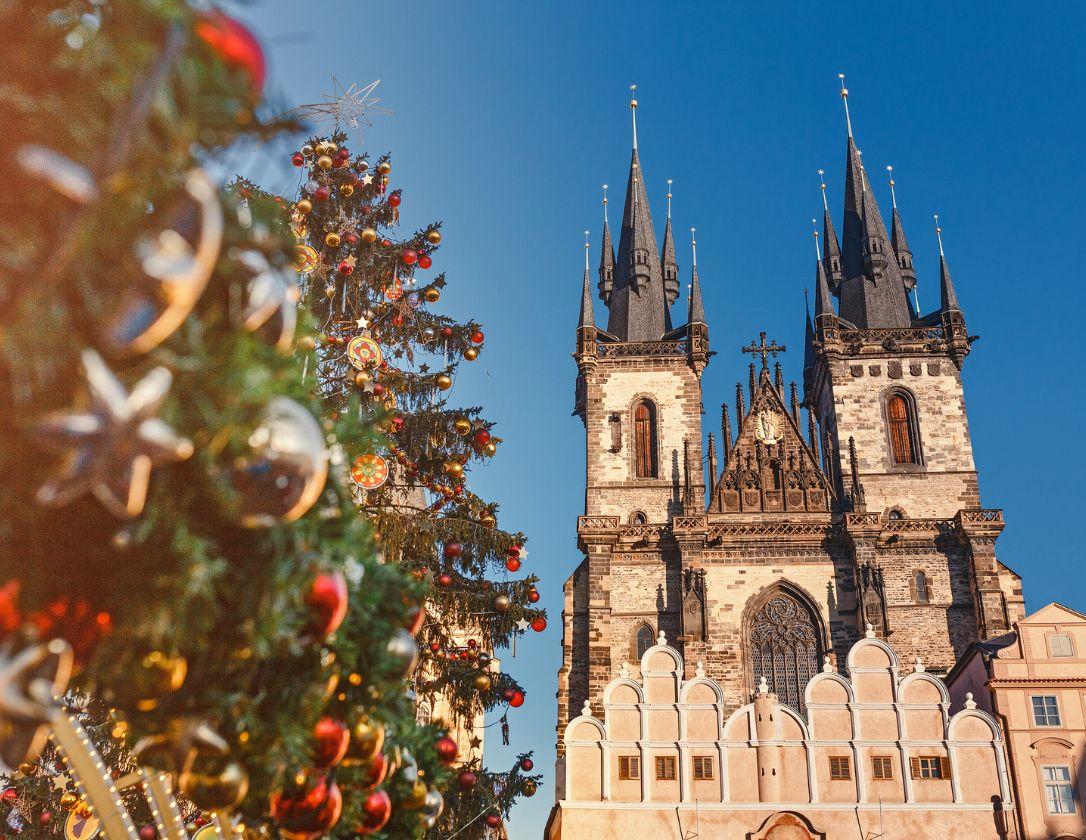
786, 825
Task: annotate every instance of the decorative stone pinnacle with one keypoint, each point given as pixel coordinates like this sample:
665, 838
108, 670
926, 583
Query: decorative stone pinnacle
763, 686
586, 709
969, 702
918, 666
661, 639
870, 632
700, 670
827, 665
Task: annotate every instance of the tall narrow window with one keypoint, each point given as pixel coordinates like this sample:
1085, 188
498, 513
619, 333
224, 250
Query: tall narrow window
921, 589
903, 436
645, 439
645, 640
785, 646
1058, 790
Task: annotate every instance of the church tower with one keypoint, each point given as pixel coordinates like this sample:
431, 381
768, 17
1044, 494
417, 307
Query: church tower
639, 395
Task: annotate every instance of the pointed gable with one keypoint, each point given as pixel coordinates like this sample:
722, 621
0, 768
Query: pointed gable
770, 467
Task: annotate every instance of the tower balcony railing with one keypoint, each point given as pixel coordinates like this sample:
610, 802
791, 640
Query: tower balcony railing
611, 350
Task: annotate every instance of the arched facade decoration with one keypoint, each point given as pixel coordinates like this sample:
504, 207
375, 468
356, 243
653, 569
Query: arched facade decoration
784, 641
646, 461
644, 637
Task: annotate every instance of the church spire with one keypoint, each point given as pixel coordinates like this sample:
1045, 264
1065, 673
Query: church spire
832, 260
607, 257
948, 299
668, 267
586, 318
638, 309
901, 246
697, 309
872, 292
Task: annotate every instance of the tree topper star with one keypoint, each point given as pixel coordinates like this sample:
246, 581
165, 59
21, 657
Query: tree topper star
115, 444
351, 105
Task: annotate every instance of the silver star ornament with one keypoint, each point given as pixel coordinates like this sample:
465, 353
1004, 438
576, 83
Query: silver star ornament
113, 446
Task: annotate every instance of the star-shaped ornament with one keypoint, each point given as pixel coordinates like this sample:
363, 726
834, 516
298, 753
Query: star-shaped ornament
352, 260
523, 625
367, 180
362, 322
273, 299
113, 446
475, 742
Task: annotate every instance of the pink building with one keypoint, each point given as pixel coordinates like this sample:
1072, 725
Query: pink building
1033, 680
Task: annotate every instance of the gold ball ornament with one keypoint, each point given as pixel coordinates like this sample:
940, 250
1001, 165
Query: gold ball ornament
417, 797
307, 343
368, 235
432, 295
433, 237
482, 683
462, 426
68, 801
501, 603
159, 674
454, 468
443, 381
363, 378
332, 240
304, 206
347, 190
488, 520
214, 784
384, 167
321, 148
367, 738
324, 162
490, 448
330, 146
528, 787
471, 354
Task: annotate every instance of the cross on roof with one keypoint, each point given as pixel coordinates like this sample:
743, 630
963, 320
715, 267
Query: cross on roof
764, 350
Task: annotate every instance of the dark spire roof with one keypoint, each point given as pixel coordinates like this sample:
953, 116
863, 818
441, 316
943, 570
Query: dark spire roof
638, 310
872, 292
697, 309
948, 299
586, 318
668, 267
832, 259
823, 299
808, 334
607, 257
900, 243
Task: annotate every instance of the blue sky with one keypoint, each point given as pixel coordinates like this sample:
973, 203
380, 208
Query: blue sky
510, 116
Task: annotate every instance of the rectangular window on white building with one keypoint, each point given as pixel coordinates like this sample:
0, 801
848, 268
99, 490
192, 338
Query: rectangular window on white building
1058, 791
1046, 710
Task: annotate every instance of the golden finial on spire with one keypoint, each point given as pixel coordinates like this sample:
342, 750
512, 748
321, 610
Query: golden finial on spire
586, 247
669, 198
605, 204
633, 112
844, 98
939, 235
822, 183
893, 195
694, 247
818, 251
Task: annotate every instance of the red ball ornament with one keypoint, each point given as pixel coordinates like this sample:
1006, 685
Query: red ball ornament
533, 596
507, 695
409, 257
435, 646
446, 749
308, 812
513, 564
378, 389
517, 699
385, 243
527, 765
376, 772
234, 44
331, 738
493, 821
466, 780
453, 550
394, 199
477, 337
322, 193
539, 625
377, 809
472, 643
351, 238
297, 160
425, 261
327, 601
444, 580
343, 154
482, 437
45, 818
414, 619
513, 551
345, 268
148, 832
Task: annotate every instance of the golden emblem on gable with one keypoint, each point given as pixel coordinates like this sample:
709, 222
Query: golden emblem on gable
767, 427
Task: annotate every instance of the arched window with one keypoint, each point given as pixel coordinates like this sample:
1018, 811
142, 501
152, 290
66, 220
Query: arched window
904, 435
921, 588
423, 714
638, 518
785, 646
645, 439
644, 640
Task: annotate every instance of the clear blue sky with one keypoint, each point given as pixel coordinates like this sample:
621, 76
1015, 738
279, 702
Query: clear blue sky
510, 116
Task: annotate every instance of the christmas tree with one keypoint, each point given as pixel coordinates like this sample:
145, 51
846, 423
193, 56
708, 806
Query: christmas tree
383, 355
177, 513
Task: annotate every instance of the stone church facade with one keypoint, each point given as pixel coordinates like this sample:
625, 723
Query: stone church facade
812, 518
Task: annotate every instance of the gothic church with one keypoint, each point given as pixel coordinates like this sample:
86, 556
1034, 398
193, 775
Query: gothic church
758, 556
